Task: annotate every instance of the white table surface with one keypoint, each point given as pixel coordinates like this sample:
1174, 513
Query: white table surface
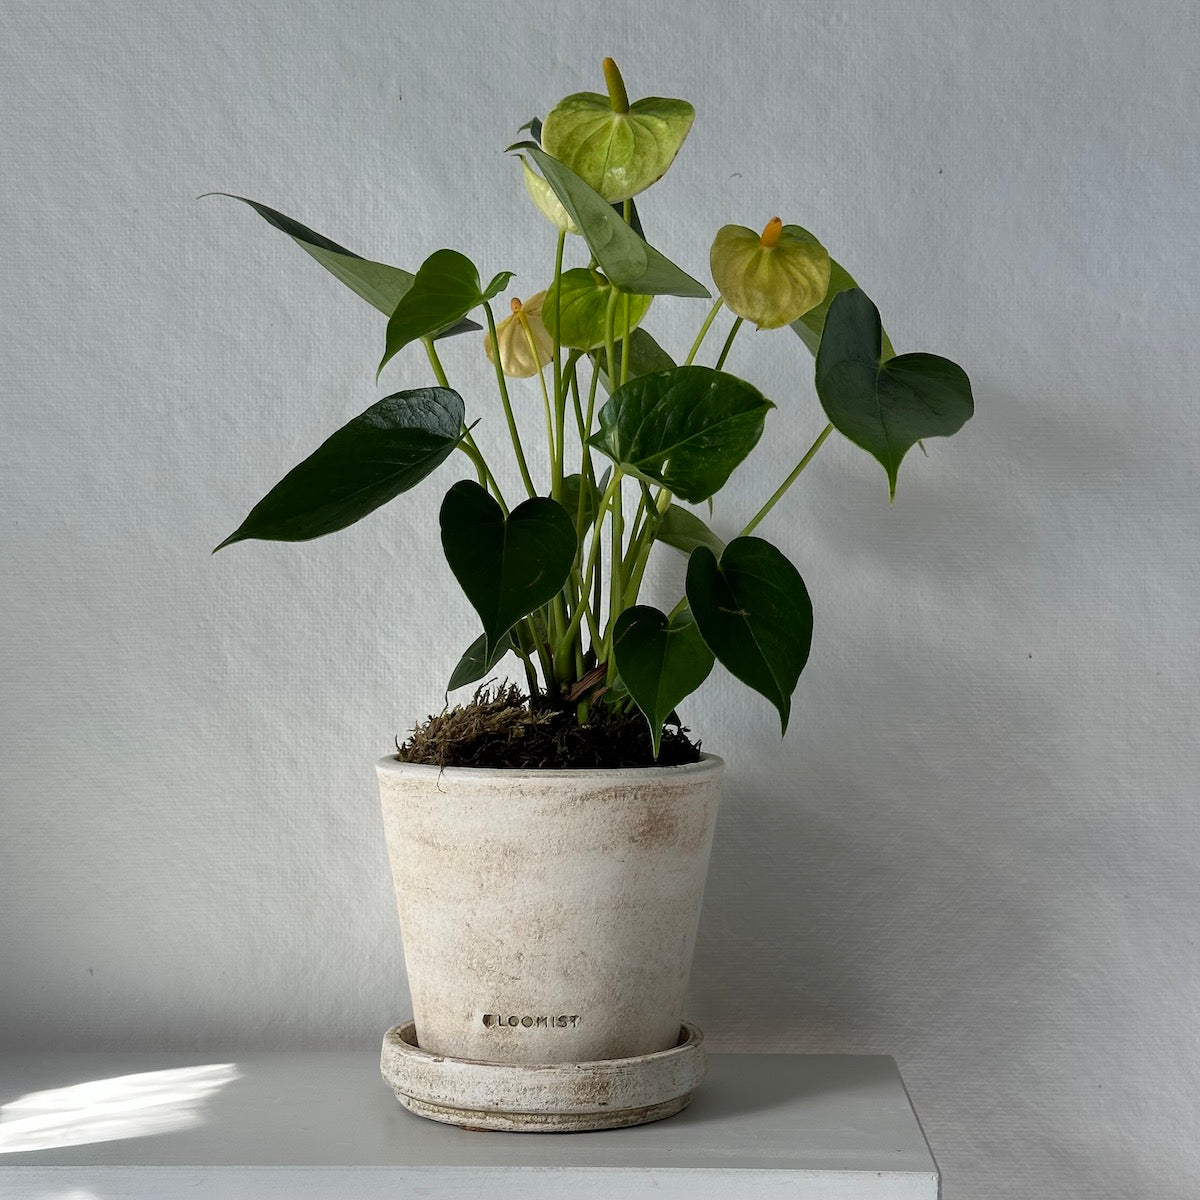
311, 1125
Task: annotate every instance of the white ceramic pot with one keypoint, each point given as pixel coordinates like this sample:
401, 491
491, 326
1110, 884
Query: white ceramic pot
548, 916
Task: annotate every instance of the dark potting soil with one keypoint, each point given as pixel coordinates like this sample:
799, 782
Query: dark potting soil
499, 728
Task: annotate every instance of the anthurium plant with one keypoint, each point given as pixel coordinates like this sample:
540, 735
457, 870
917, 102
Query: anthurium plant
633, 438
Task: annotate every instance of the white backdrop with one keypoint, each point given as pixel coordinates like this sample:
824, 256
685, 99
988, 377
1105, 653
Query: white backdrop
976, 847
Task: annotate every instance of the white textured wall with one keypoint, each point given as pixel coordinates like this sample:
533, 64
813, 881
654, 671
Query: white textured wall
977, 847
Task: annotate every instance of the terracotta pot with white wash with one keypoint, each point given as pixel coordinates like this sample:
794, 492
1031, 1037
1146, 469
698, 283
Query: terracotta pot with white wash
549, 917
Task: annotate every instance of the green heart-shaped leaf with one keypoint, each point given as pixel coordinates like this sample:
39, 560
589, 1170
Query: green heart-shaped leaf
507, 567
755, 615
379, 285
476, 662
578, 307
617, 153
885, 406
444, 290
685, 428
811, 324
384, 451
630, 263
681, 528
645, 357
660, 660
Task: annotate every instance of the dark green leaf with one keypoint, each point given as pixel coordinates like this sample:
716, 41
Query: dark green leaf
681, 528
661, 661
685, 428
384, 451
507, 567
445, 289
812, 323
885, 407
754, 613
645, 357
378, 284
627, 259
475, 663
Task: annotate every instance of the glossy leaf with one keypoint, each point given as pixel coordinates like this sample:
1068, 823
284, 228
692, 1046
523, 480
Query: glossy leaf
810, 326
645, 357
476, 663
508, 567
681, 528
578, 306
769, 284
627, 259
384, 451
379, 285
445, 289
686, 428
885, 406
617, 153
661, 661
754, 613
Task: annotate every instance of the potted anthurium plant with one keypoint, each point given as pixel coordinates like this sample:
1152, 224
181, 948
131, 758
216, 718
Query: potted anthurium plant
549, 846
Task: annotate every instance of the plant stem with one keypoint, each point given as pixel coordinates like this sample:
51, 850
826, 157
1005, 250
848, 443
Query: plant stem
467, 446
551, 439
592, 559
557, 446
616, 593
712, 314
728, 342
610, 339
508, 412
787, 483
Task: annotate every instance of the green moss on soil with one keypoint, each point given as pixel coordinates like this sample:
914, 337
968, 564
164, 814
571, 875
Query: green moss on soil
498, 728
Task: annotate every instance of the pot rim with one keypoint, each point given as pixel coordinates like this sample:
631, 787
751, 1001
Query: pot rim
709, 763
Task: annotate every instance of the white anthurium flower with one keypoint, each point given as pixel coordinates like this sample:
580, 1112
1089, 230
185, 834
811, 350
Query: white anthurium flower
525, 344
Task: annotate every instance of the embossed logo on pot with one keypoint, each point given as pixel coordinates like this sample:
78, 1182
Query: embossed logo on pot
527, 1021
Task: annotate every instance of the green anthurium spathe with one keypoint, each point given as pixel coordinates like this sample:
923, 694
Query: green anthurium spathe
617, 147
544, 199
578, 308
770, 278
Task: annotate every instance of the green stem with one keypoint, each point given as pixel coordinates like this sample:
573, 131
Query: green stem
728, 342
641, 556
610, 337
787, 483
557, 447
589, 569
508, 412
616, 593
551, 439
712, 315
467, 445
